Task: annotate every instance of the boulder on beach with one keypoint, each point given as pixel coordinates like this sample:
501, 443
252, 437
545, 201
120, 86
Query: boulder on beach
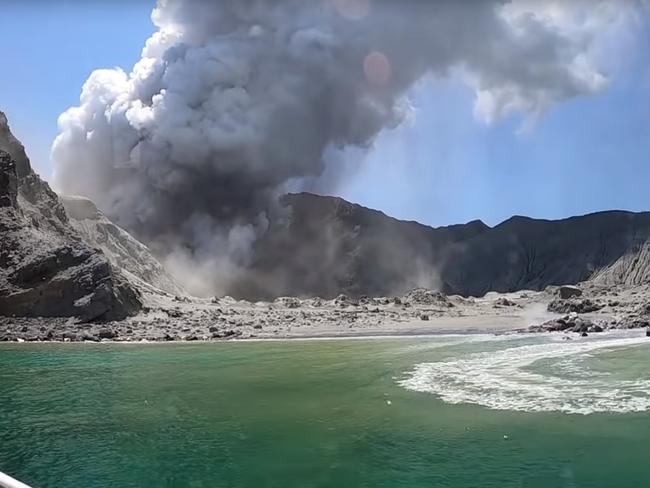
288, 302
567, 291
570, 322
422, 296
582, 305
504, 302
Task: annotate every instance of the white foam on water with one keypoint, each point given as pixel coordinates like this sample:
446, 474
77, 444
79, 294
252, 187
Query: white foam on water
448, 340
512, 378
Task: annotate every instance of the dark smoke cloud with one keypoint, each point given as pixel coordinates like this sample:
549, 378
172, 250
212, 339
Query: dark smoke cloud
234, 100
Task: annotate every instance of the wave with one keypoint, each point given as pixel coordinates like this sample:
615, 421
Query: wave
548, 377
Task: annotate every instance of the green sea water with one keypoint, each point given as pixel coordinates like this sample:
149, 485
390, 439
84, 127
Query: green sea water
471, 411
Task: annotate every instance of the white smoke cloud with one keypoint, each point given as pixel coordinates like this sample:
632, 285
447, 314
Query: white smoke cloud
233, 99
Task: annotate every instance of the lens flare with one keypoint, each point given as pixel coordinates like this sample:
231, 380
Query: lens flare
377, 68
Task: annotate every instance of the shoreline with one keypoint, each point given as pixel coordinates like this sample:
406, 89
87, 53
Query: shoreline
304, 338
419, 313
368, 337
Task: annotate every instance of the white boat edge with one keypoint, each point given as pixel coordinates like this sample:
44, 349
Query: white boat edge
7, 481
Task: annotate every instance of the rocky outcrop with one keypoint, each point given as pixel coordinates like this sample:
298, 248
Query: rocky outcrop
631, 268
422, 296
46, 268
567, 291
13, 147
124, 252
571, 322
8, 181
574, 305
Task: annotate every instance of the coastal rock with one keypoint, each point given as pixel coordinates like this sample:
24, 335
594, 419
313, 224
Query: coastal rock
86, 336
633, 322
422, 296
343, 301
504, 302
316, 302
584, 305
106, 333
567, 292
582, 325
552, 326
46, 268
288, 302
570, 322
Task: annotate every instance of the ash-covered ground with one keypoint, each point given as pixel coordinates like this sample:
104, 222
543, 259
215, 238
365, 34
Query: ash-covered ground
589, 309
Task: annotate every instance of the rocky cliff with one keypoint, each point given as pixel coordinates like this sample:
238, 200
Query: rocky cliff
124, 252
46, 268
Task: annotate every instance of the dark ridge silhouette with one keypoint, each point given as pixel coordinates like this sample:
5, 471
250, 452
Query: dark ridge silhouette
329, 246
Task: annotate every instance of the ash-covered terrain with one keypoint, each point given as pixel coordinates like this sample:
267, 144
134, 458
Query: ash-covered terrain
68, 273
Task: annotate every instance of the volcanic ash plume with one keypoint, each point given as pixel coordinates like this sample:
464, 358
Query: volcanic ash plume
233, 100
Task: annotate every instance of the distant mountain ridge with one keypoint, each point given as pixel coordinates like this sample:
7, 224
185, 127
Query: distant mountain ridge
523, 253
329, 246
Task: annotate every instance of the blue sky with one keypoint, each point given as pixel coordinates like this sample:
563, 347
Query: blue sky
587, 154
50, 49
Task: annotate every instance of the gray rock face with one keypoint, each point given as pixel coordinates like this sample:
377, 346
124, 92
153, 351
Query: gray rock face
12, 146
122, 250
631, 268
46, 269
8, 181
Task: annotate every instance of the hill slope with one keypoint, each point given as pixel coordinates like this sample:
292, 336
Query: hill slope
124, 252
524, 253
